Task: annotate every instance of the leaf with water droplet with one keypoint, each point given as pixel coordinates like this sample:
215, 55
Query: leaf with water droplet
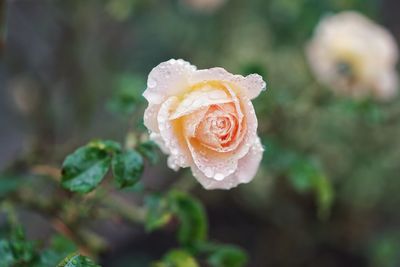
85, 168
127, 168
77, 260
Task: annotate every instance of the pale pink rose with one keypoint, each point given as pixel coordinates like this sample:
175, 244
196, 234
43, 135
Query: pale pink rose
204, 119
354, 56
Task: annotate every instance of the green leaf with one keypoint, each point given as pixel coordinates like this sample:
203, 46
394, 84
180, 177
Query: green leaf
6, 254
8, 184
60, 247
76, 260
149, 150
177, 258
23, 249
384, 251
84, 169
158, 213
50, 258
127, 168
305, 176
227, 256
109, 146
301, 175
62, 244
193, 220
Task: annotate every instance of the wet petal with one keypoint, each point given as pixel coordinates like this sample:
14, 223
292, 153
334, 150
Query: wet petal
245, 172
252, 84
169, 78
201, 98
173, 137
212, 164
150, 117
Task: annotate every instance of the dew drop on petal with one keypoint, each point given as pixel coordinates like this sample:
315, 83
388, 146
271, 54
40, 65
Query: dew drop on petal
218, 176
208, 171
151, 83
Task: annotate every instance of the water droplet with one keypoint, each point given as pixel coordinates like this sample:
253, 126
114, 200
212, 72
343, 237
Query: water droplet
151, 83
219, 176
208, 172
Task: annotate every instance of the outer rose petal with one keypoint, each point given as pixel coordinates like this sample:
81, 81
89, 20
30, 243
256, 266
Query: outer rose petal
247, 169
179, 153
252, 84
169, 78
212, 164
150, 118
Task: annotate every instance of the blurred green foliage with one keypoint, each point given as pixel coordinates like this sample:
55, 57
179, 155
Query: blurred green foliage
16, 250
325, 195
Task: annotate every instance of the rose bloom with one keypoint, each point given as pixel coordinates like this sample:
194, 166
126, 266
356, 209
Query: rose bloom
204, 5
204, 119
354, 56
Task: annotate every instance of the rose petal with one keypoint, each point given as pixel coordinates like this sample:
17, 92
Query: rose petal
243, 143
246, 170
212, 164
252, 84
198, 99
169, 78
192, 121
150, 117
156, 138
173, 139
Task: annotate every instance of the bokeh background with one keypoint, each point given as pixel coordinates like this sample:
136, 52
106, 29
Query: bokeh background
327, 193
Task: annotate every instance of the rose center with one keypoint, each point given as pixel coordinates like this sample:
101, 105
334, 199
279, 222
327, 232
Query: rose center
218, 128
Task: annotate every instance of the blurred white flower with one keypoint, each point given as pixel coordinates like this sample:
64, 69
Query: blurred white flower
204, 5
354, 56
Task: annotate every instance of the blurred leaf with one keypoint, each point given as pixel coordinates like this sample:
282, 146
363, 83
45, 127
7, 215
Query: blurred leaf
149, 150
227, 256
127, 168
385, 251
62, 244
158, 213
6, 254
302, 175
8, 184
120, 9
128, 94
177, 258
76, 260
23, 249
325, 195
84, 169
305, 177
276, 157
192, 217
50, 258
17, 251
60, 247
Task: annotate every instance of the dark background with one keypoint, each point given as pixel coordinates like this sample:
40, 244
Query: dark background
62, 61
